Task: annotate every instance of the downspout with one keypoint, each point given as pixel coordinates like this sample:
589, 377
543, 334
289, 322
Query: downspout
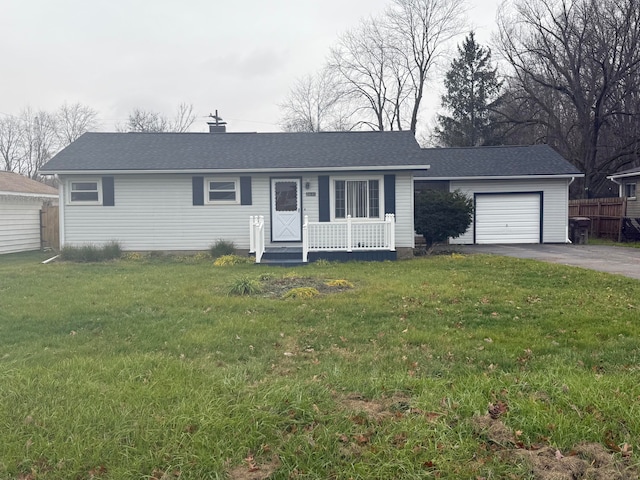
617, 183
567, 227
61, 204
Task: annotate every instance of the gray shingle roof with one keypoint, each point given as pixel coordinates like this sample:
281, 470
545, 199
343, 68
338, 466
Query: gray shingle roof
235, 151
503, 161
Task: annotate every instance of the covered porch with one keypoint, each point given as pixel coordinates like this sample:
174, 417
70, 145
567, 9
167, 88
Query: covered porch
350, 239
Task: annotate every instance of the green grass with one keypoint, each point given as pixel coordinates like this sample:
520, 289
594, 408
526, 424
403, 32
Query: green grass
138, 369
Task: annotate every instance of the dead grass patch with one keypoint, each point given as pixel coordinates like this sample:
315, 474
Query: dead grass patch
279, 287
586, 461
380, 409
253, 469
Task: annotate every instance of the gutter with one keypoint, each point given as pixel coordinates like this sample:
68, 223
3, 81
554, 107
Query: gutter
239, 170
622, 175
31, 195
572, 176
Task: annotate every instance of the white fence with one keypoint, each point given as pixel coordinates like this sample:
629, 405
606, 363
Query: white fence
348, 235
256, 236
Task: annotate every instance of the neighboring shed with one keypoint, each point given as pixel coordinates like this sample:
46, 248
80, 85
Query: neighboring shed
628, 184
520, 193
21, 200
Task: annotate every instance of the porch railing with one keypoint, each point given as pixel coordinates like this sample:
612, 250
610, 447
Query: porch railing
256, 236
348, 235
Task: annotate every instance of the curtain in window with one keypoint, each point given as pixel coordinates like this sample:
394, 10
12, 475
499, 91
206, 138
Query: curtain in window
357, 198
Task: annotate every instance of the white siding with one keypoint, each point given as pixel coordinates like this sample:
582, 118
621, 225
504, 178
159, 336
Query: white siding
405, 230
19, 224
155, 212
555, 203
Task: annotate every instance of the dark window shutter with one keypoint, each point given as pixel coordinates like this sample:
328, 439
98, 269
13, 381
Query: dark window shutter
390, 194
108, 198
324, 205
245, 190
198, 190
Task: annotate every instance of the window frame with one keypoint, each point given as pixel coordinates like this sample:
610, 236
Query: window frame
627, 190
236, 190
358, 178
70, 190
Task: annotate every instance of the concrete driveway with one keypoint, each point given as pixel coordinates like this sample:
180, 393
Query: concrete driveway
619, 260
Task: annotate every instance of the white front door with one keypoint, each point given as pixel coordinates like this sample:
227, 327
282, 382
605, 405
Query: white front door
286, 211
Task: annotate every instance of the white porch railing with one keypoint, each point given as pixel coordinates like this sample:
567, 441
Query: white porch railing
256, 236
348, 235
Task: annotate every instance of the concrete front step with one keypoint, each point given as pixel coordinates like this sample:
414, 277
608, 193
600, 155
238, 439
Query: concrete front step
283, 256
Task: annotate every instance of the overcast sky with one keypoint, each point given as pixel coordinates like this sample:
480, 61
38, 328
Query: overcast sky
238, 56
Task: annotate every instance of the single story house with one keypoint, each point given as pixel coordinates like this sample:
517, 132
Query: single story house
21, 200
312, 195
627, 181
520, 193
330, 193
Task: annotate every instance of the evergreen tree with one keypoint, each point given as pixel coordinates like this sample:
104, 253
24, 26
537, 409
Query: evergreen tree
472, 86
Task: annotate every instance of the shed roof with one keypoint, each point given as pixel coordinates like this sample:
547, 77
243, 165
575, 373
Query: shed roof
166, 152
18, 184
494, 162
631, 172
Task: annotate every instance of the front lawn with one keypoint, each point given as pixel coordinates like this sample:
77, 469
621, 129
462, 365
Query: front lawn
440, 367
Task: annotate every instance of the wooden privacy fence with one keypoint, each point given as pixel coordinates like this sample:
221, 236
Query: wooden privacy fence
49, 227
606, 214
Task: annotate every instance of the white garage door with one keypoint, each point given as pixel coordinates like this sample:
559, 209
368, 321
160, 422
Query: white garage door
508, 218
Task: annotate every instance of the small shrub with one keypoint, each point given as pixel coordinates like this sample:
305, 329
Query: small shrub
301, 292
91, 253
439, 214
265, 277
227, 260
111, 251
245, 286
222, 248
339, 284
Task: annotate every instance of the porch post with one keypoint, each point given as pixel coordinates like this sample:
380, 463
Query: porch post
305, 239
391, 230
252, 235
349, 235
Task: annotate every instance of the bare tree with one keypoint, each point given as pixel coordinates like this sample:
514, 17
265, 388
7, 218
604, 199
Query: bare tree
576, 67
314, 104
183, 119
145, 121
421, 30
10, 143
39, 140
153, 122
379, 69
369, 73
74, 120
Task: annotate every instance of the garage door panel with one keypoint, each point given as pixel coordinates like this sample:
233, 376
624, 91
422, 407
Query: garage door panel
508, 218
